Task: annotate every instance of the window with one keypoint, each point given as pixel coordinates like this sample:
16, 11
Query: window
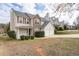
36, 21
20, 20
24, 20
28, 21
17, 19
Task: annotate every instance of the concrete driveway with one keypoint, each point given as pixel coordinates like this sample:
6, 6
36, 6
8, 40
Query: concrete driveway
66, 36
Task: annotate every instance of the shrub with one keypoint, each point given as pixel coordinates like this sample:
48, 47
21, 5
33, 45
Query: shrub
60, 29
31, 37
65, 27
22, 37
39, 34
12, 34
26, 37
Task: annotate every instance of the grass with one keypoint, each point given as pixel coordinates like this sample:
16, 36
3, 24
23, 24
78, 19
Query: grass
40, 47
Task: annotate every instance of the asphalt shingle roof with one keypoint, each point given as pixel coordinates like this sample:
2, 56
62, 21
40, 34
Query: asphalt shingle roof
23, 14
45, 24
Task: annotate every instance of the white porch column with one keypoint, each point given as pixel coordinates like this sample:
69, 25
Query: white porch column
18, 34
27, 31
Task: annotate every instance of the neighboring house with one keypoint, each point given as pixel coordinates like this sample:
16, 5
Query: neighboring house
27, 24
1, 29
71, 27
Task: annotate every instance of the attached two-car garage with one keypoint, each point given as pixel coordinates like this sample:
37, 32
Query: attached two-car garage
49, 30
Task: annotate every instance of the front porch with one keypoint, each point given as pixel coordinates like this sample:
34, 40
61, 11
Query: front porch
24, 31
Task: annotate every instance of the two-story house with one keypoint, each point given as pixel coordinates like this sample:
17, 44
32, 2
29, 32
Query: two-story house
26, 24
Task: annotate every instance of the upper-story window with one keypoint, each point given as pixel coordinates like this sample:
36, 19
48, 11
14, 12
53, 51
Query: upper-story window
24, 20
17, 19
37, 21
20, 21
28, 21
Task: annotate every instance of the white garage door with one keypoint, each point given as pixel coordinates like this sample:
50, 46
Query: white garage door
49, 30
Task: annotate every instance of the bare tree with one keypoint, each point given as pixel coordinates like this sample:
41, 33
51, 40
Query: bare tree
77, 22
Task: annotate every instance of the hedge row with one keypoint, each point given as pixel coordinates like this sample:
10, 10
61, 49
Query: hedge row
26, 37
39, 34
12, 34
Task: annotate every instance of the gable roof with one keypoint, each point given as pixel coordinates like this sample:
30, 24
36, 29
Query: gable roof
44, 24
18, 13
24, 14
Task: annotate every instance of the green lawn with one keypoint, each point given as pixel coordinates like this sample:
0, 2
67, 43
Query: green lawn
36, 47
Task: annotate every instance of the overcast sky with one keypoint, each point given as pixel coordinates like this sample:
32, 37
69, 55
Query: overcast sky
33, 8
